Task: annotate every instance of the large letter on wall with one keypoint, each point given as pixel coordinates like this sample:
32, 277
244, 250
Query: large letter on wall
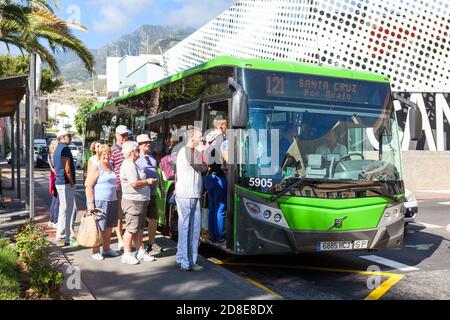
441, 108
418, 99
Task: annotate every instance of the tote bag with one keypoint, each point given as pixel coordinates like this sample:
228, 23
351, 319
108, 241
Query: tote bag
89, 234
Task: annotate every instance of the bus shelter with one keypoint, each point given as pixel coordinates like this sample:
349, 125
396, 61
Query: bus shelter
12, 92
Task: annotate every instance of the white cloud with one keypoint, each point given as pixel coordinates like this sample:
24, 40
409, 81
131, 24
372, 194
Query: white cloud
116, 15
196, 13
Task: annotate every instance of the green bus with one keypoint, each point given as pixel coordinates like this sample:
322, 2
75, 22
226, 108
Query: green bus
314, 152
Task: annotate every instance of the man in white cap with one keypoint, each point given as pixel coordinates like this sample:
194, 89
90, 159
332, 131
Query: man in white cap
65, 185
148, 164
117, 158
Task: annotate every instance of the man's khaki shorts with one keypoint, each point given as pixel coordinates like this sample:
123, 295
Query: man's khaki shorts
135, 212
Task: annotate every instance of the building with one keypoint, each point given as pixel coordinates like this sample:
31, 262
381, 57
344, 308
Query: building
409, 41
129, 73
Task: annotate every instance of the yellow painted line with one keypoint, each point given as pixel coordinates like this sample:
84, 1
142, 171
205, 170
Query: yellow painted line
259, 285
384, 287
376, 294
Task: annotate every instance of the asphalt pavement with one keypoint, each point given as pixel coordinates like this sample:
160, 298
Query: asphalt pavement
419, 270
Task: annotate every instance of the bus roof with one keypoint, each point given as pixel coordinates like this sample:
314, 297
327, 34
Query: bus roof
257, 64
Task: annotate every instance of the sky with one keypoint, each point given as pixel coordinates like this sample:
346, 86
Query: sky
108, 20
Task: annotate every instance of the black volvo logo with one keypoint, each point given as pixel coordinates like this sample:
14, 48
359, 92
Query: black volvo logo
337, 223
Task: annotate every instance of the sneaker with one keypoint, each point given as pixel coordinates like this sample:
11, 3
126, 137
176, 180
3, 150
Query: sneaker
110, 253
72, 243
196, 268
142, 255
129, 258
98, 257
60, 243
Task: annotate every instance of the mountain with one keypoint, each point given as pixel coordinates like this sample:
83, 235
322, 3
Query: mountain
147, 39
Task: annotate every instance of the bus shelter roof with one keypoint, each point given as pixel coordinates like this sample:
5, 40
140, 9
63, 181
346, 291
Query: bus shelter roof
12, 91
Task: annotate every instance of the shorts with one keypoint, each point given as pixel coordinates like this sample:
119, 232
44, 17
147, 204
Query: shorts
151, 208
134, 214
109, 216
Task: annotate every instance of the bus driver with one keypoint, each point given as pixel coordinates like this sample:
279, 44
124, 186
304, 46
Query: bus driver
332, 146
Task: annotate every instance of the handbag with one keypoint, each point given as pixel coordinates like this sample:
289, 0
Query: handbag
89, 235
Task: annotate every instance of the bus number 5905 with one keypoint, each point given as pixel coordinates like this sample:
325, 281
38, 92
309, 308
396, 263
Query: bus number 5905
257, 182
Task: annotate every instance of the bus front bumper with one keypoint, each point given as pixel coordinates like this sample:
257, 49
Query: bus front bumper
263, 238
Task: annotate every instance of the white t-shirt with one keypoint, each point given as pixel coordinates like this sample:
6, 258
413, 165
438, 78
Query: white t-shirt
130, 173
189, 181
338, 149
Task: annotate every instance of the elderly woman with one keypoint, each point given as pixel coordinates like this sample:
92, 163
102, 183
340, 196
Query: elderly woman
101, 194
135, 199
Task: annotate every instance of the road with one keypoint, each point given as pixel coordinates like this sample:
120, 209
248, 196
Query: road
420, 270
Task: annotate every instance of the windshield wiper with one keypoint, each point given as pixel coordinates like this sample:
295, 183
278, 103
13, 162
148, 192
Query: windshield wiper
273, 198
382, 193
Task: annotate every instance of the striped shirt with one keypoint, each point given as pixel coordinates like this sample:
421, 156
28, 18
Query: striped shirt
117, 158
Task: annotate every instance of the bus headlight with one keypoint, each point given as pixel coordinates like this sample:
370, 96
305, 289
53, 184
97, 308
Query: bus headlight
267, 214
391, 215
253, 208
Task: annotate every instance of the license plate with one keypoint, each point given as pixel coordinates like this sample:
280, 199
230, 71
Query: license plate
335, 245
343, 245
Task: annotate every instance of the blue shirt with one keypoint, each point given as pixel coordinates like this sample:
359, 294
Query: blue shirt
105, 187
148, 165
63, 151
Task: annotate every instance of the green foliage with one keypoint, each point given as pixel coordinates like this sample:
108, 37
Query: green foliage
49, 84
4, 242
13, 66
82, 115
34, 255
9, 274
32, 26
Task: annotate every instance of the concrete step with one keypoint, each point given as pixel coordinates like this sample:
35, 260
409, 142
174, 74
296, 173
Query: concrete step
6, 215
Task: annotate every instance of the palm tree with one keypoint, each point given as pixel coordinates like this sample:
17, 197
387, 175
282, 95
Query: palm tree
26, 23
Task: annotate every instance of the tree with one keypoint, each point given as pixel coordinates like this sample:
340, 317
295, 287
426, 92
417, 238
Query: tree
51, 122
26, 23
13, 66
82, 115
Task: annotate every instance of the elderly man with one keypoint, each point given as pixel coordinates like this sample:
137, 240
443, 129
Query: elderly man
148, 164
117, 158
65, 185
188, 190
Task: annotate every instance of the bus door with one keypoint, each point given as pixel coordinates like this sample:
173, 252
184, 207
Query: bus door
210, 111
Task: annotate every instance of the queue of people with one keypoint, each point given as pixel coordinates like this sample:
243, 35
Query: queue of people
122, 183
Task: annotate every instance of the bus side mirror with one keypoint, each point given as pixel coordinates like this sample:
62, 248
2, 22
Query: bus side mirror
415, 123
415, 117
239, 106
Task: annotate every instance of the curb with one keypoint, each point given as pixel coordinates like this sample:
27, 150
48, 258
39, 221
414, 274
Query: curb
73, 283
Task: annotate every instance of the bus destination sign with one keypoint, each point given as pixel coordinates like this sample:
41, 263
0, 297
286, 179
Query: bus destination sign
321, 88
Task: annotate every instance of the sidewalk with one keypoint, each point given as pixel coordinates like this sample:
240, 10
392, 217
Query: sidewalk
159, 280
432, 194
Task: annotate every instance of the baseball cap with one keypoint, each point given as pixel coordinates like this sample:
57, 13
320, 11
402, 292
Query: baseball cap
121, 130
143, 138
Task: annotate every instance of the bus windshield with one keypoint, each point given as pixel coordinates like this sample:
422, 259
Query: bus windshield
317, 128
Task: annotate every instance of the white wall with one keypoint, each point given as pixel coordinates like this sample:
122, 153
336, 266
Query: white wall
112, 75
